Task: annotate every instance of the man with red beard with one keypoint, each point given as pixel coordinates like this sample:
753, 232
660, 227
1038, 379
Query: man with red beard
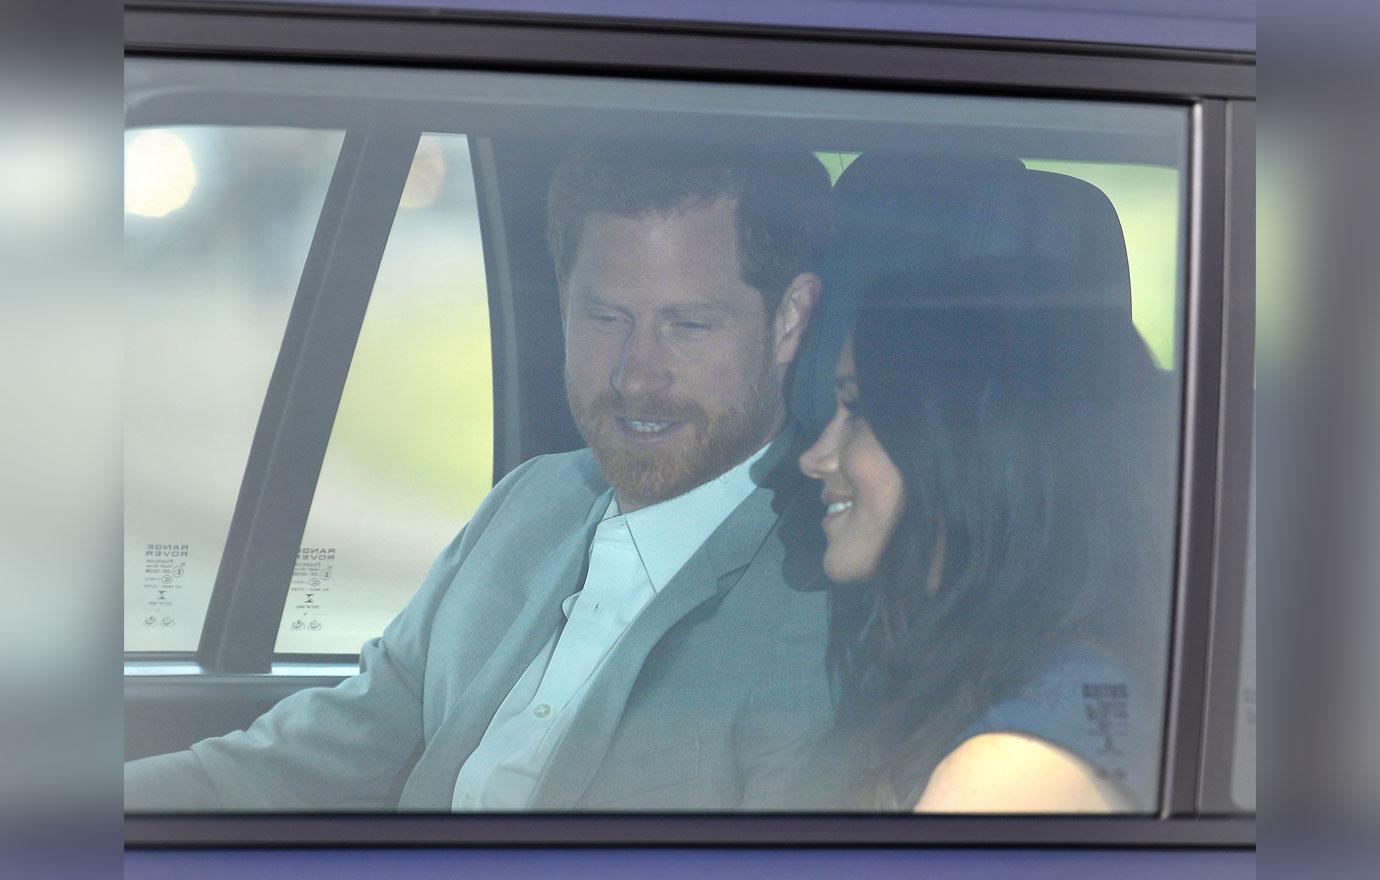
618, 628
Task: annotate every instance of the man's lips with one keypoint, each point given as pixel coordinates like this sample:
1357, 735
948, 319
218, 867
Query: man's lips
646, 426
646, 430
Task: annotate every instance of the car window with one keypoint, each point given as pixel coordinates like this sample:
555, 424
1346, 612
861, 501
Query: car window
1004, 289
411, 453
218, 220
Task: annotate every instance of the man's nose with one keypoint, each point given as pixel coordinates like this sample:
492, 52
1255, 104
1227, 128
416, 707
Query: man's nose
642, 367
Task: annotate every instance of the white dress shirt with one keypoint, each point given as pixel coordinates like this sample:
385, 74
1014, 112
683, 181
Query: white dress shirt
631, 559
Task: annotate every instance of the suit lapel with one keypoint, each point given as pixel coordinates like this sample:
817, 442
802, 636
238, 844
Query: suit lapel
712, 571
432, 781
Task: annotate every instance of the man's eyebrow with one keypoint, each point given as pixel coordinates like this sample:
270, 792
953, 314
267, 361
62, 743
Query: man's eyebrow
587, 298
696, 310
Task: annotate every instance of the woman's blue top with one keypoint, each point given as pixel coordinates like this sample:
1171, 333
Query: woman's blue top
1088, 704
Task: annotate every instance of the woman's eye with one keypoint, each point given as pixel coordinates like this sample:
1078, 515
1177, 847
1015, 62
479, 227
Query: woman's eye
691, 325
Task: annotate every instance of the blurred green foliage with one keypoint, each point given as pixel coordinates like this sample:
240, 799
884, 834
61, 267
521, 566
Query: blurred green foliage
417, 409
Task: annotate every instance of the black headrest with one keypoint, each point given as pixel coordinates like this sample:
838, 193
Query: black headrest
965, 230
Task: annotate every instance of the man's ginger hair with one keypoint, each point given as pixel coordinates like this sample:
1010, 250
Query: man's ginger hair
782, 199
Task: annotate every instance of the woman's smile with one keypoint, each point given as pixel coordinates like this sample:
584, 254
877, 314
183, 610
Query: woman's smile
832, 508
862, 496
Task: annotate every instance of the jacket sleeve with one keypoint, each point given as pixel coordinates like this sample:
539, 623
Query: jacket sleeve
335, 748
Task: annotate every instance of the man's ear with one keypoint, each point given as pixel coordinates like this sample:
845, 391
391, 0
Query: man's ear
793, 316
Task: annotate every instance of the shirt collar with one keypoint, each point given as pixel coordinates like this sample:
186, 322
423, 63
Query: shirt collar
667, 534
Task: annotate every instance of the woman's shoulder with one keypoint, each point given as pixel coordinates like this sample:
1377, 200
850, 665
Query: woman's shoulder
1007, 772
1086, 703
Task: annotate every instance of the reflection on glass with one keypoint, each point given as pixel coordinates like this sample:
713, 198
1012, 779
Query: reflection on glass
217, 226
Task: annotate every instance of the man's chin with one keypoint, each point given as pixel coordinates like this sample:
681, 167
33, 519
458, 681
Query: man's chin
643, 479
648, 470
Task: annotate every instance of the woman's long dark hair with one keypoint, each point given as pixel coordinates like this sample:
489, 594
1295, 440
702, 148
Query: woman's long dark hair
1028, 440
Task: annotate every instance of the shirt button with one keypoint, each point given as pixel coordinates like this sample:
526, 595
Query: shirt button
541, 710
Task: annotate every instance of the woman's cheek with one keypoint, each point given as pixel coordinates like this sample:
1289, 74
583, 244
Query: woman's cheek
885, 496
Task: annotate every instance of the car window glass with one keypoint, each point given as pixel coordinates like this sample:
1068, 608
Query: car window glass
218, 221
411, 453
1008, 279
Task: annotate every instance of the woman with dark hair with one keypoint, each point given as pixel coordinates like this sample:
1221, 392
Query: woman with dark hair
994, 529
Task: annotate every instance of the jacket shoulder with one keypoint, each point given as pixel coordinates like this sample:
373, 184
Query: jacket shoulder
577, 467
555, 476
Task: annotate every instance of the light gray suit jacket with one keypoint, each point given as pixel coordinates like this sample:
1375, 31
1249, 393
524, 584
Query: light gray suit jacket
709, 702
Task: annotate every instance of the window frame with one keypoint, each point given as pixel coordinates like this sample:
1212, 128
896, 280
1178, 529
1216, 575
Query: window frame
1236, 461
1218, 88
